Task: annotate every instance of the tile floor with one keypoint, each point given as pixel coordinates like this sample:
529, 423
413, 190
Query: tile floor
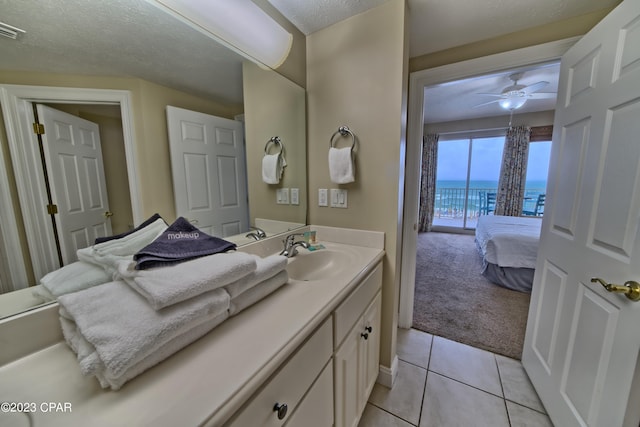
442, 383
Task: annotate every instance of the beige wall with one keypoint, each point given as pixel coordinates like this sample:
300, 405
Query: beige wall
530, 37
274, 106
356, 76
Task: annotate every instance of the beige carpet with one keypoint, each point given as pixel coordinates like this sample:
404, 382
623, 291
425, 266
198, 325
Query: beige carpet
453, 300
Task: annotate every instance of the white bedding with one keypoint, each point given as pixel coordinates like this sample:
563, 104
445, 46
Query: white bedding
509, 241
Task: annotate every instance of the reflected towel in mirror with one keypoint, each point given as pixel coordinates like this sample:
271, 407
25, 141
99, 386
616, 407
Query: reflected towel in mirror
273, 167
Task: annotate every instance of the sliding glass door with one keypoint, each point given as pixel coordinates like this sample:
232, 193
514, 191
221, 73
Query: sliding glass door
466, 179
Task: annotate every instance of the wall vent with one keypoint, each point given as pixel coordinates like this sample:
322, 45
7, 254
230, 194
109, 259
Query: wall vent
10, 31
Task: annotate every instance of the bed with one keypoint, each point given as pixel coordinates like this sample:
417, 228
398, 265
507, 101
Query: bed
509, 248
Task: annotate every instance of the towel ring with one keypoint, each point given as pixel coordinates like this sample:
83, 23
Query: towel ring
344, 131
276, 141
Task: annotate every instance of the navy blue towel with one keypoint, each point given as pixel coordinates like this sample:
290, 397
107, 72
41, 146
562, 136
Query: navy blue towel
151, 220
180, 242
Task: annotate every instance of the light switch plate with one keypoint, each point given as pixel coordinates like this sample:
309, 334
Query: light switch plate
338, 198
295, 196
282, 196
322, 197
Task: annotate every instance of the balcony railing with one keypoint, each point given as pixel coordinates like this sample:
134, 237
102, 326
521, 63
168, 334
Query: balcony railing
449, 207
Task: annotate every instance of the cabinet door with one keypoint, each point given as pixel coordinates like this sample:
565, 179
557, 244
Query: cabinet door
316, 410
371, 352
348, 379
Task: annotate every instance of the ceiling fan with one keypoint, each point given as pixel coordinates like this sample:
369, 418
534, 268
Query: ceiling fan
514, 96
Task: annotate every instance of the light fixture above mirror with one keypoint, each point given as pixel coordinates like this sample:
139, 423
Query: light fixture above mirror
239, 24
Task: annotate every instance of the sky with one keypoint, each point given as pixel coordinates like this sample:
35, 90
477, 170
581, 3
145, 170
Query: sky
486, 158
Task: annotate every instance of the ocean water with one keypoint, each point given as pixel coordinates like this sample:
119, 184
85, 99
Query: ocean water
450, 195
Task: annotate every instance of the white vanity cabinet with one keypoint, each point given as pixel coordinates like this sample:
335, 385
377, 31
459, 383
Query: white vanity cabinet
356, 358
320, 390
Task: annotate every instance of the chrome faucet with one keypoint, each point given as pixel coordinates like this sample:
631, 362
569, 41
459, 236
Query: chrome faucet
258, 234
291, 246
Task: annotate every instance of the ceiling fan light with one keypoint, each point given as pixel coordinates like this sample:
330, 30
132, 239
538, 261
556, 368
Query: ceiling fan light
512, 102
239, 24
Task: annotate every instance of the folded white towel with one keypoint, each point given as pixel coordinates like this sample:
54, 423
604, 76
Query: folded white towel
74, 277
112, 328
164, 286
108, 253
257, 292
265, 268
272, 167
107, 380
341, 166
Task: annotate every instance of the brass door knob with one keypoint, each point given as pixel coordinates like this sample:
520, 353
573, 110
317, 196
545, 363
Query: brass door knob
108, 214
630, 288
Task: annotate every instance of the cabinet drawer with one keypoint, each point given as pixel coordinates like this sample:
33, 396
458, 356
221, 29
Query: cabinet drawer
352, 308
290, 383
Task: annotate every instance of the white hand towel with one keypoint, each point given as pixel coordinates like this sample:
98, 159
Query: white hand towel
272, 168
107, 254
258, 292
74, 277
341, 166
265, 268
112, 327
164, 286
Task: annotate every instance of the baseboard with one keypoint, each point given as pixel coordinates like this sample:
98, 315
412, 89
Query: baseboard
387, 376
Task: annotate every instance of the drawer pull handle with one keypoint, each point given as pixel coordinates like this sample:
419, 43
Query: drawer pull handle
368, 329
365, 335
281, 410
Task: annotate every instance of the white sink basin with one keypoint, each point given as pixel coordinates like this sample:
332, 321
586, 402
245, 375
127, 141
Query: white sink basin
321, 264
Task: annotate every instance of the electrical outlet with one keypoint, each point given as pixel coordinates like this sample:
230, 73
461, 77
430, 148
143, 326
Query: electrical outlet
295, 196
322, 197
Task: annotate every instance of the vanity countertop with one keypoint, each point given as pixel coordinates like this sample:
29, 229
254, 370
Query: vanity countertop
208, 380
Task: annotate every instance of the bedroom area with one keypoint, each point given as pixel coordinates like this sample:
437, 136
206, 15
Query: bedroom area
485, 161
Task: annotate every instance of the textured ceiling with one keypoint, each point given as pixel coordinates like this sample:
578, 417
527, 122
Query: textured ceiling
133, 38
128, 38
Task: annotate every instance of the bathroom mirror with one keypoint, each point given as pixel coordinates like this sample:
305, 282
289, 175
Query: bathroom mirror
202, 74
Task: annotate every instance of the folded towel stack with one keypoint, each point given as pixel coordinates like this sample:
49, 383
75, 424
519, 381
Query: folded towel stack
117, 334
165, 286
269, 275
108, 253
121, 328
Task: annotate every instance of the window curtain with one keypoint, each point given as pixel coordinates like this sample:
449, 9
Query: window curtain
428, 181
513, 171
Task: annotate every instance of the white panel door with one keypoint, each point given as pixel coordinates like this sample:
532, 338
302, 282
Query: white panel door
77, 180
209, 171
582, 342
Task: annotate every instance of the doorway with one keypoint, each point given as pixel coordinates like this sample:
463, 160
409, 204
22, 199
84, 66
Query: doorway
38, 237
418, 81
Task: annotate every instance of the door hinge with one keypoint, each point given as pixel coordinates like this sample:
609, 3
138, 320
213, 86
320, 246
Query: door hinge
38, 128
52, 209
